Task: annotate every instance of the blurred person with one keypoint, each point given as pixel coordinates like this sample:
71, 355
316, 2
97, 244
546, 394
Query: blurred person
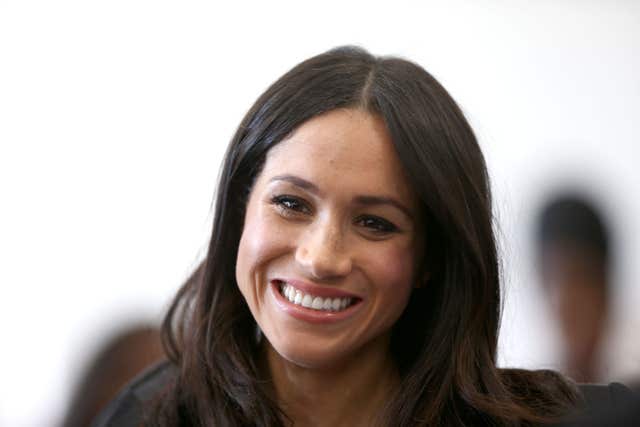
120, 359
623, 411
352, 277
574, 260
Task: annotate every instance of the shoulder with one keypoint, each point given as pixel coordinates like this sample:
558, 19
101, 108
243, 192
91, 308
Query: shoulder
608, 405
583, 403
126, 410
611, 396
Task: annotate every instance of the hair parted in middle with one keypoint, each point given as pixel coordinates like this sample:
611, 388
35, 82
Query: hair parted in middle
445, 342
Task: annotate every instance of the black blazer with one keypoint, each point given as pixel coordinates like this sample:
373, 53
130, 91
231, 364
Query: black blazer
619, 408
604, 402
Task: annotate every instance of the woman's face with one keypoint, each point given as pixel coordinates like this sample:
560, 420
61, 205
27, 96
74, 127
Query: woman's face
330, 243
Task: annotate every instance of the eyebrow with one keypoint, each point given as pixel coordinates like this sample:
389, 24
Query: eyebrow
380, 200
298, 182
364, 200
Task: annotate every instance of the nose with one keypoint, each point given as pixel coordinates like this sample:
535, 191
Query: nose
322, 253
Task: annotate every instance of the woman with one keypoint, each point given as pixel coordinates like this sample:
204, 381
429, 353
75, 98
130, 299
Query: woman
352, 275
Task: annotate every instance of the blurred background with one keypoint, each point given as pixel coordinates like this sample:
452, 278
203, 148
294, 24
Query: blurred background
114, 117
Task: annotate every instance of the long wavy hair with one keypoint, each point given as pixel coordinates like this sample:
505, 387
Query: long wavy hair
445, 342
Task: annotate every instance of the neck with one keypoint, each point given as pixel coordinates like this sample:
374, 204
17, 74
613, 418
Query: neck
351, 393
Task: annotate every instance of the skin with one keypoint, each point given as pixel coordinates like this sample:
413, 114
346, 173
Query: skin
307, 220
576, 281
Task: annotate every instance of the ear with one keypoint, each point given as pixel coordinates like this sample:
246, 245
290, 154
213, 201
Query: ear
422, 281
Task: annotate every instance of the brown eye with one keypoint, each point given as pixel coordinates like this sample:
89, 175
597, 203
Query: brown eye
376, 224
291, 204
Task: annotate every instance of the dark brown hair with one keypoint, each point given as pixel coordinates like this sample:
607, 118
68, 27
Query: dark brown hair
445, 342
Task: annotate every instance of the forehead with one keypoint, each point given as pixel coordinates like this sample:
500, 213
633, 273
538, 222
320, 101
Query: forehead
348, 147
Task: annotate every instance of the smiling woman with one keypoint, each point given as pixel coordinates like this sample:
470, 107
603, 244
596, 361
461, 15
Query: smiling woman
309, 244
352, 276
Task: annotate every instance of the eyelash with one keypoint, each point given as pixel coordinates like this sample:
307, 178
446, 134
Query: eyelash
291, 205
379, 226
285, 204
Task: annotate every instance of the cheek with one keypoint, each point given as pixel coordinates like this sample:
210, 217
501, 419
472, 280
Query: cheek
261, 242
393, 269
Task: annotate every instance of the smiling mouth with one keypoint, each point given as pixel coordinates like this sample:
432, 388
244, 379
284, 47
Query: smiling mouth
314, 302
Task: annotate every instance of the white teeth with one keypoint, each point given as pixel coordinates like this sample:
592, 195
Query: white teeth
317, 303
307, 300
313, 302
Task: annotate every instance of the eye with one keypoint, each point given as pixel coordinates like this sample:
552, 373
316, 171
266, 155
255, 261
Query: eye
376, 224
291, 205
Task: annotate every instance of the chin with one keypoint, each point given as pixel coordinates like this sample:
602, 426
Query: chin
310, 356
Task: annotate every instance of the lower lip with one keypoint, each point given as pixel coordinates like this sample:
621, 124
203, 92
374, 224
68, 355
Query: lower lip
308, 314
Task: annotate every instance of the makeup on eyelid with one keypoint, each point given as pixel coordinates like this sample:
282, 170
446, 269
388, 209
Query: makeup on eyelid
327, 255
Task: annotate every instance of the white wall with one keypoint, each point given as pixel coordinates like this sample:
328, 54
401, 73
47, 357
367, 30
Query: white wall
114, 117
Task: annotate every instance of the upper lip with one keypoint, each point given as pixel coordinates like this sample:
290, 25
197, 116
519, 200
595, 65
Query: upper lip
316, 290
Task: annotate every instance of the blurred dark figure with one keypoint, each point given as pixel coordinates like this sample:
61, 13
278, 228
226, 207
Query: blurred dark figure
623, 412
574, 259
122, 358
